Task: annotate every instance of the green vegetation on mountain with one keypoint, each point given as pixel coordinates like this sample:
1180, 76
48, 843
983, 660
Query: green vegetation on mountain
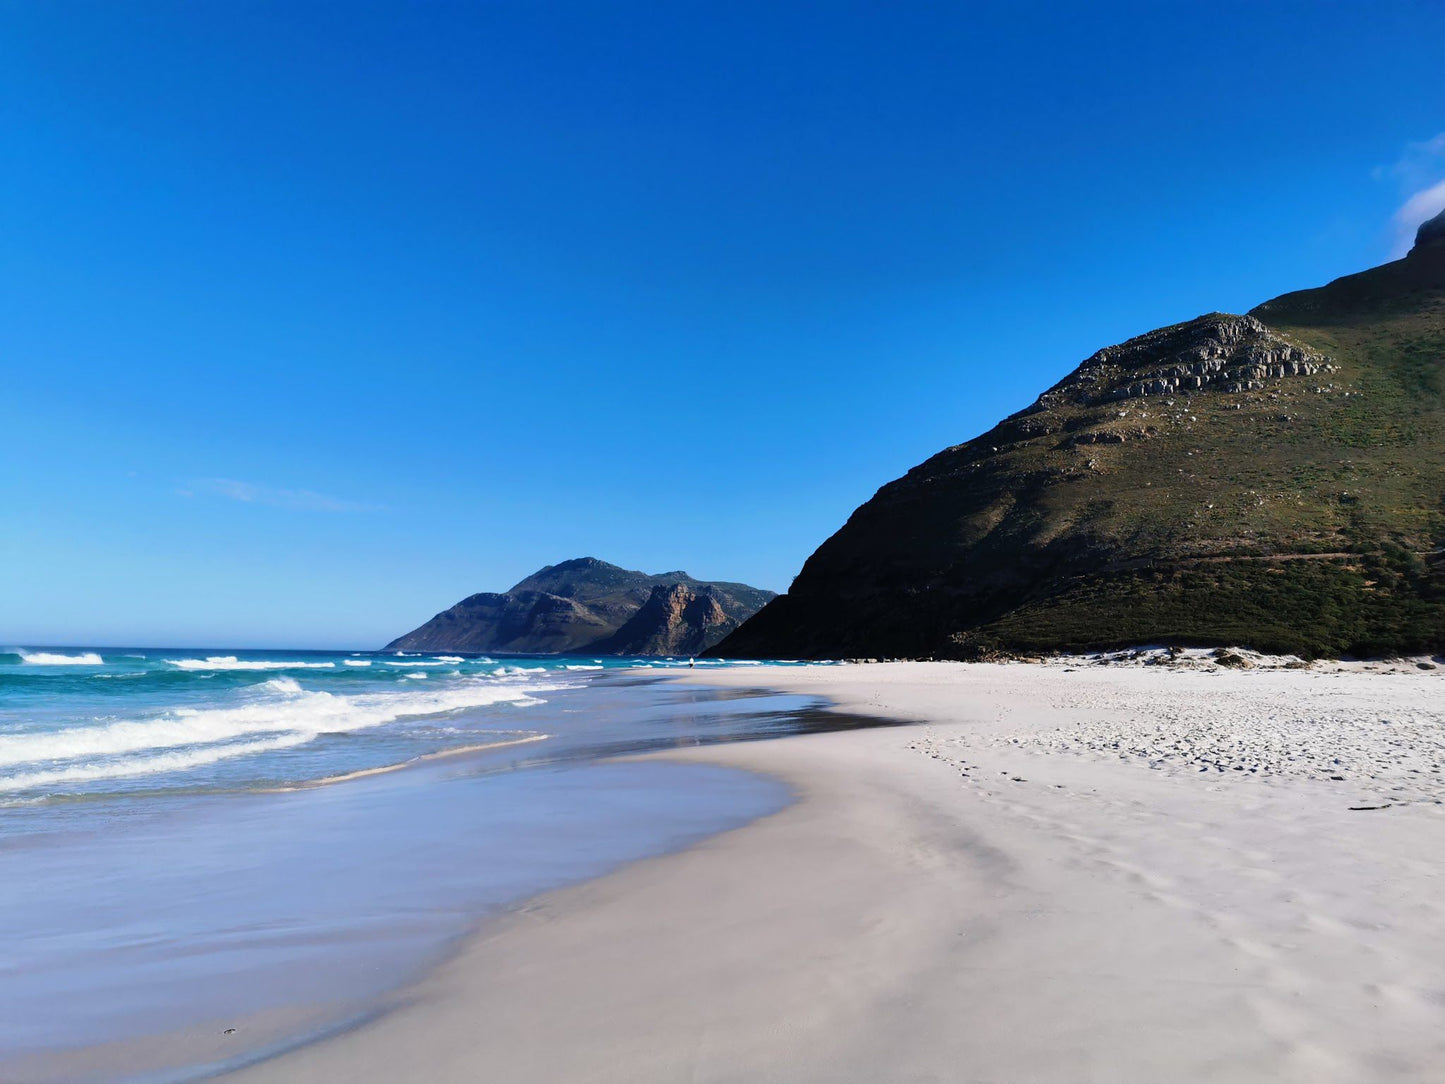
589, 606
1275, 480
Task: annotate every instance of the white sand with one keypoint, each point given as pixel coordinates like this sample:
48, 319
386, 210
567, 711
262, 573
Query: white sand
1058, 875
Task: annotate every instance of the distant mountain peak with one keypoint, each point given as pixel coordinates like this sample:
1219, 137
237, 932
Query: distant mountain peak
575, 564
582, 605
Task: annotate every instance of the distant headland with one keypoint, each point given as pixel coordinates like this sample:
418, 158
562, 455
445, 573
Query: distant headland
588, 606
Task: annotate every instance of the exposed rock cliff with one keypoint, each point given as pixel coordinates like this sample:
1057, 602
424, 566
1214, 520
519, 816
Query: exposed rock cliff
1217, 351
1275, 480
675, 620
590, 606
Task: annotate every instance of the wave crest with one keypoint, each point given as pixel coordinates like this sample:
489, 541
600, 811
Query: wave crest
50, 658
231, 662
278, 711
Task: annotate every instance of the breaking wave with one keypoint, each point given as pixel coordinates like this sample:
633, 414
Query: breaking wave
48, 658
163, 762
274, 714
230, 662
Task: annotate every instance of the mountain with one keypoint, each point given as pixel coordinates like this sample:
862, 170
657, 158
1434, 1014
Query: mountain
589, 606
675, 620
1274, 480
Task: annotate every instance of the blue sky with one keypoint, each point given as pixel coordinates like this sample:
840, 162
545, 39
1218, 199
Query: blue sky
315, 318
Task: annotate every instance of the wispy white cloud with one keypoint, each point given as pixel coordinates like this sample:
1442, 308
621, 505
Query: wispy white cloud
250, 493
1420, 172
1421, 207
1418, 164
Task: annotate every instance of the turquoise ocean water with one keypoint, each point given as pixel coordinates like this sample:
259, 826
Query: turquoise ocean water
84, 723
191, 839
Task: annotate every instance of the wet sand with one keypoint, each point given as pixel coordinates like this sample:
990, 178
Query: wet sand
1040, 881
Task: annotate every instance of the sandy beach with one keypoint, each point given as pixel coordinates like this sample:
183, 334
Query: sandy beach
1061, 872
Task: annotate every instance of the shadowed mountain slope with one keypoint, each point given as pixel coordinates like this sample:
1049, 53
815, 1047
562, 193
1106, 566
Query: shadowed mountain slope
583, 605
1275, 480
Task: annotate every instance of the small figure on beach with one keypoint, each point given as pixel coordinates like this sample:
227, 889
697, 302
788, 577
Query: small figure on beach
691, 663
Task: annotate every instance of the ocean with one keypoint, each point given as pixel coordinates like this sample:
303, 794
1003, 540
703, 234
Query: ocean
272, 841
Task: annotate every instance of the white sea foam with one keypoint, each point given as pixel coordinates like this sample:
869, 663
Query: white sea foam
357, 662
230, 662
278, 710
415, 662
48, 658
162, 762
450, 658
418, 676
579, 666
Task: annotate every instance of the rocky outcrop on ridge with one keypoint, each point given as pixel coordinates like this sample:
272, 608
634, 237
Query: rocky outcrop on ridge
1230, 353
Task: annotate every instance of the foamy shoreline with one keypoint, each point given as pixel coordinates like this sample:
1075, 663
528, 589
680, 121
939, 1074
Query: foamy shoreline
167, 937
1057, 875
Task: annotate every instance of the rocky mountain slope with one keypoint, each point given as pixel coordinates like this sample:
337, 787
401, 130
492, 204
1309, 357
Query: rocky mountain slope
589, 606
675, 620
1275, 480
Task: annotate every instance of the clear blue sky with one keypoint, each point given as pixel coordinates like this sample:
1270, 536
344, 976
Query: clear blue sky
315, 318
